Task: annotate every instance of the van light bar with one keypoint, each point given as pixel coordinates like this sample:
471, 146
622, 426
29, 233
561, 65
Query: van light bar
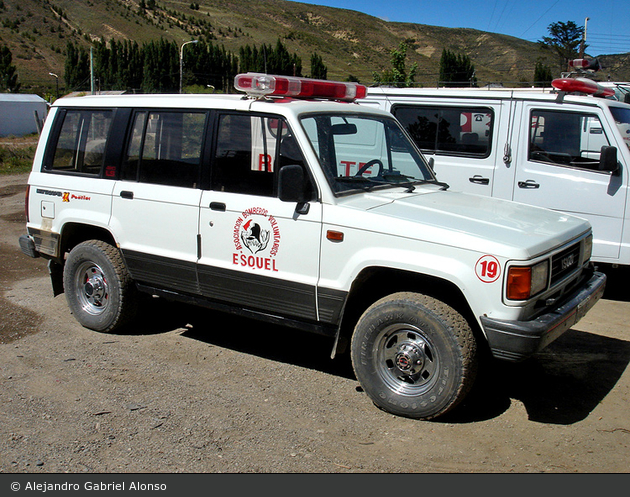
260, 85
586, 64
582, 85
579, 63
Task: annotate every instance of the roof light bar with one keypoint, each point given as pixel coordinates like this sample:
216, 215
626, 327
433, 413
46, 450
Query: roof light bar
586, 64
582, 85
260, 85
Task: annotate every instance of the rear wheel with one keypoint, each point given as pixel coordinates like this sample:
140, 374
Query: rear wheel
414, 355
98, 287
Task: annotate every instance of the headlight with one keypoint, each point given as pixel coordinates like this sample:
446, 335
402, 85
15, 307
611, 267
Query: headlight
525, 282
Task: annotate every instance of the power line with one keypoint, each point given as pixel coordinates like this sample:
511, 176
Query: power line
536, 21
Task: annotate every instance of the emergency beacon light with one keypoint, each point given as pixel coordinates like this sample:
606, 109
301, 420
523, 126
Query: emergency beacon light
260, 85
582, 85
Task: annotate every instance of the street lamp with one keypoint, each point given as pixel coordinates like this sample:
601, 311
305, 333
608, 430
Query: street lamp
181, 63
57, 78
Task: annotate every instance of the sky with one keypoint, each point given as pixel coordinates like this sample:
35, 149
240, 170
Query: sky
607, 28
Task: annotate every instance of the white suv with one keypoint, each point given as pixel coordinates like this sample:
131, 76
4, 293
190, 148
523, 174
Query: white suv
316, 213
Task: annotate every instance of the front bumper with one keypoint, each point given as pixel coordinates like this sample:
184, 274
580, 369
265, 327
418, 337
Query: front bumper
518, 340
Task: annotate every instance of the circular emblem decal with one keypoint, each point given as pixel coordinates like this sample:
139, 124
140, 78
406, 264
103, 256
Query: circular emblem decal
488, 269
256, 239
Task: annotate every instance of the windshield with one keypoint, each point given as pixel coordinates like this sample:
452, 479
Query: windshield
365, 152
622, 120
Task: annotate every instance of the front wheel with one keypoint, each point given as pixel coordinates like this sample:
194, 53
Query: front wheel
98, 287
414, 356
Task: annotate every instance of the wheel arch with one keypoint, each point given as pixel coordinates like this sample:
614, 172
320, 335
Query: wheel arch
71, 235
373, 283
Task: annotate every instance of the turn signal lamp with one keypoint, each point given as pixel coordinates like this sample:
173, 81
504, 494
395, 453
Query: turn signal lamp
525, 282
260, 85
582, 85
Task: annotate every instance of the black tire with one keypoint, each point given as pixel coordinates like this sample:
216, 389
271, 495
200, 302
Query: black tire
98, 287
414, 356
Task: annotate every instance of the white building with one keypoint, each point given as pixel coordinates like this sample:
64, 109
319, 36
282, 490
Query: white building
20, 114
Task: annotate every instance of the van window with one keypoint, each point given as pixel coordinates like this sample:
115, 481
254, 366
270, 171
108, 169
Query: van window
80, 146
165, 148
566, 138
249, 151
448, 130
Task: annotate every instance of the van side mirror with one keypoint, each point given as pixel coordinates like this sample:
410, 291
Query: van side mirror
291, 186
608, 159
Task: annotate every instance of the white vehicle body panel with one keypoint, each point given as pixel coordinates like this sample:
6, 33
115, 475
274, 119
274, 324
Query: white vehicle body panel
508, 171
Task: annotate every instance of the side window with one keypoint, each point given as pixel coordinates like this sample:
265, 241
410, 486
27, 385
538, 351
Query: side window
164, 148
566, 138
80, 146
249, 151
449, 130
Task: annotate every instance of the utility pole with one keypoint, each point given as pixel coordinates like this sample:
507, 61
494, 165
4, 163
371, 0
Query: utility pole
583, 39
92, 70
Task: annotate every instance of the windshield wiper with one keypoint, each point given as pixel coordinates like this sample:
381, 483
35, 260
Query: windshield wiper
372, 183
410, 183
442, 185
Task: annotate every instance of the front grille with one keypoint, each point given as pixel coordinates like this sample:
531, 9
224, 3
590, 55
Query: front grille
564, 263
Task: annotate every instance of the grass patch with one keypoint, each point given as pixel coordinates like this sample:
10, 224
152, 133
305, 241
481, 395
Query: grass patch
16, 154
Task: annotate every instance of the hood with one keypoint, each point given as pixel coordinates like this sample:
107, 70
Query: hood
484, 224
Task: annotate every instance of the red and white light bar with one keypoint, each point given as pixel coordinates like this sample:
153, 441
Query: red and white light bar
260, 85
582, 85
585, 64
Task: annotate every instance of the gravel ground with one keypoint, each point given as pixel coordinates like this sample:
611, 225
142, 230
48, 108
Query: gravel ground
193, 391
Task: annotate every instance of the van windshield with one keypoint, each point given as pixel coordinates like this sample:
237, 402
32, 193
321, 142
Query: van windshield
365, 152
622, 120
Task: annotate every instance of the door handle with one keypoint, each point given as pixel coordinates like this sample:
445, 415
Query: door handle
480, 180
126, 194
530, 183
217, 206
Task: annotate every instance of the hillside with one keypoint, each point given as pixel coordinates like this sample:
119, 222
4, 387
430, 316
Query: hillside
350, 43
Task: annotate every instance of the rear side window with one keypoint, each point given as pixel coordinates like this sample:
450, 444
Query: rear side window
448, 130
165, 147
80, 146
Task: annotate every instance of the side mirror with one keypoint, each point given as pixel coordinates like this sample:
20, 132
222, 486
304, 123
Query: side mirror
291, 184
608, 159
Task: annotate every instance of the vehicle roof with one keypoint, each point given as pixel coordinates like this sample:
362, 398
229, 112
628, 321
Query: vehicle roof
284, 106
542, 94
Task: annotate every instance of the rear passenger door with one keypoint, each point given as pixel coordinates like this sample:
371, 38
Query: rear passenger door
256, 251
155, 208
460, 137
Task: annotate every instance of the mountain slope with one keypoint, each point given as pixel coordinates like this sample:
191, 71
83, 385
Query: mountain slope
350, 43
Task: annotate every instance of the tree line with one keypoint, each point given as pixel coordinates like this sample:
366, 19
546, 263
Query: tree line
154, 67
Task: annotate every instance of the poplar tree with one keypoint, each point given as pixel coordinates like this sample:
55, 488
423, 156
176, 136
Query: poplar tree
8, 75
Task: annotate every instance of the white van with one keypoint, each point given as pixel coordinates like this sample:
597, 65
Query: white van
566, 152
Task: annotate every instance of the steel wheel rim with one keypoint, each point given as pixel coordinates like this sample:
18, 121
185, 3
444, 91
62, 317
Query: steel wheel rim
91, 288
406, 359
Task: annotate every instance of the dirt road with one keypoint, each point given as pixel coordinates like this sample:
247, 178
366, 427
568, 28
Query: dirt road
195, 391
